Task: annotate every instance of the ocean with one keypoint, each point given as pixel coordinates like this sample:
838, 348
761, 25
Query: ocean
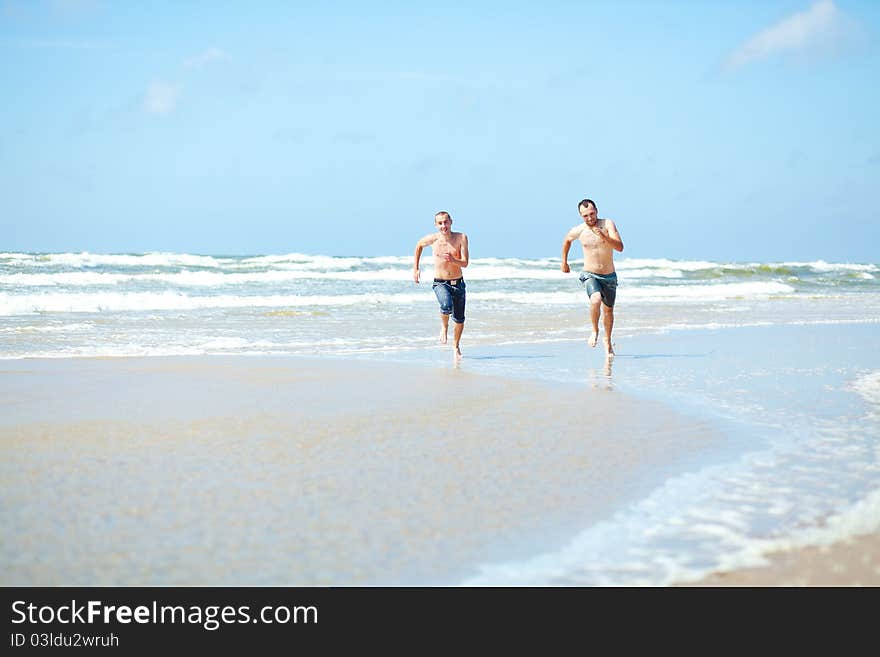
83, 304
781, 358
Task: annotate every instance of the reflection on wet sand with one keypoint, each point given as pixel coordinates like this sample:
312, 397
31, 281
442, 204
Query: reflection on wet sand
597, 378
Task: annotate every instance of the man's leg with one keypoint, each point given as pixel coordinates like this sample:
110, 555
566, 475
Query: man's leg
444, 327
458, 304
595, 303
457, 329
608, 321
445, 299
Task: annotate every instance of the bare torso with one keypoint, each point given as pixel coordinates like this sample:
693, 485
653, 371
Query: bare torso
442, 245
598, 255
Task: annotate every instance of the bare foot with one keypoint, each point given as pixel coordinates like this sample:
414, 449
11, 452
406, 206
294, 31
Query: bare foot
442, 338
609, 348
594, 336
457, 353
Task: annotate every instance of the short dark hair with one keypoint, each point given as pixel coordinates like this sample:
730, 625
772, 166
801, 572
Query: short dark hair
443, 212
585, 202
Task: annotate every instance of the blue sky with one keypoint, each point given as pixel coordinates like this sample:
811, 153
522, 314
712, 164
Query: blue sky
707, 130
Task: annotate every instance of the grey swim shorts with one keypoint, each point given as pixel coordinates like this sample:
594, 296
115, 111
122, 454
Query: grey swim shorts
605, 284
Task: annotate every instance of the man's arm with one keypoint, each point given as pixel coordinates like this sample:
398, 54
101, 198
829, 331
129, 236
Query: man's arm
610, 235
570, 237
465, 257
427, 240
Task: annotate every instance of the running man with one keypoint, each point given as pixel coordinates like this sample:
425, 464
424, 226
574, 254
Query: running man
600, 239
450, 257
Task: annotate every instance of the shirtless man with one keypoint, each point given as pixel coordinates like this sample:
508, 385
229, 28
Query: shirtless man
598, 237
450, 256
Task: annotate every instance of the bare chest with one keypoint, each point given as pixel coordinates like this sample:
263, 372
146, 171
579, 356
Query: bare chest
451, 246
591, 240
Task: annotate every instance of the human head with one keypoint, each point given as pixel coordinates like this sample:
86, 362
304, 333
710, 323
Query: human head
588, 211
587, 203
440, 219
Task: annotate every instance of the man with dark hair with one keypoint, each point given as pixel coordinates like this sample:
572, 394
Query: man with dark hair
450, 256
599, 238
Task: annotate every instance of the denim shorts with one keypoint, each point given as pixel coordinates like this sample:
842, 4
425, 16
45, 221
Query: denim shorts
451, 296
605, 284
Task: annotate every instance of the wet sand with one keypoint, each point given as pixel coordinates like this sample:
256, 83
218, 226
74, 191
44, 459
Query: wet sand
852, 562
295, 471
236, 470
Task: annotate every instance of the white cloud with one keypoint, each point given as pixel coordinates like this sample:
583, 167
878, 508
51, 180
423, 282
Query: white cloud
820, 28
203, 59
161, 97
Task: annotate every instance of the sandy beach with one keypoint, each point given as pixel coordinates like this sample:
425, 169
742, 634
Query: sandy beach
292, 471
532, 464
853, 562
